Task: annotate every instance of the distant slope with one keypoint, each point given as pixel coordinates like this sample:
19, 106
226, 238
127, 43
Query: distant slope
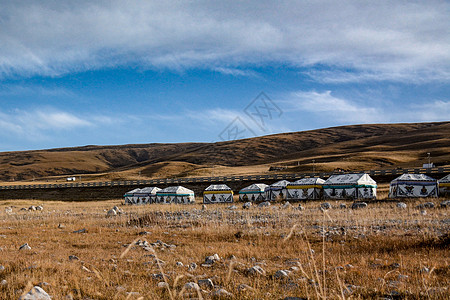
355, 147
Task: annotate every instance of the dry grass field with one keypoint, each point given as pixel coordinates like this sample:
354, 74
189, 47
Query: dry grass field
148, 252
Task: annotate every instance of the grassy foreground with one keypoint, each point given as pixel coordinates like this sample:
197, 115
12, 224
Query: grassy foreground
378, 251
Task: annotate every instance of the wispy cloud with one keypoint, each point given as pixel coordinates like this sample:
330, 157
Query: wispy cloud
379, 40
237, 72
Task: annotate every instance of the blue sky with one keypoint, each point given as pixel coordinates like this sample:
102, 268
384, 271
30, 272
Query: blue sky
76, 73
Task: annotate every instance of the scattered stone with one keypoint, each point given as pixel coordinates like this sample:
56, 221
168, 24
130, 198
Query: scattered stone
426, 205
349, 266
32, 208
244, 287
264, 204
325, 205
80, 231
25, 247
39, 207
73, 257
222, 293
286, 205
192, 266
300, 207
282, 274
424, 270
232, 207
206, 283
203, 207
247, 205
423, 212
401, 205
402, 277
3, 282
8, 210
342, 206
294, 298
256, 270
358, 205
61, 226
191, 286
163, 284
36, 293
2, 268
111, 213
209, 260
179, 264
144, 233
23, 209
445, 204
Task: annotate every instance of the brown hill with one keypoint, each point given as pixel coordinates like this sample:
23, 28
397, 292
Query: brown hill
355, 147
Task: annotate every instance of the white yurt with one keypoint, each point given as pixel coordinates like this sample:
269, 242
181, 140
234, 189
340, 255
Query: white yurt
255, 193
413, 185
305, 189
350, 186
444, 185
146, 195
277, 191
175, 194
218, 193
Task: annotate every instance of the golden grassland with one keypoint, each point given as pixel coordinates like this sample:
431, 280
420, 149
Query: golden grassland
379, 251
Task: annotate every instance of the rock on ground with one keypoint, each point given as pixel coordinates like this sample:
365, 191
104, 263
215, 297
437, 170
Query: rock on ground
36, 293
358, 205
264, 204
25, 247
445, 204
247, 205
222, 293
325, 205
256, 270
401, 205
206, 283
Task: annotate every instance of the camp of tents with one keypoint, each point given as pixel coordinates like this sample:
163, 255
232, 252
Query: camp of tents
338, 187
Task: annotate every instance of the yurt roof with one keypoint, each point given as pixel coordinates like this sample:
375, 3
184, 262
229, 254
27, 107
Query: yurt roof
178, 190
218, 187
307, 181
150, 190
281, 183
135, 191
258, 187
445, 178
413, 177
360, 178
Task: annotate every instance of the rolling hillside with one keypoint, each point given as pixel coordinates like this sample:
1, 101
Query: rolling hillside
355, 147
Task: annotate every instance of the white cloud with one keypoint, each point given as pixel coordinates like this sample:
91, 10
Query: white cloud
394, 40
39, 124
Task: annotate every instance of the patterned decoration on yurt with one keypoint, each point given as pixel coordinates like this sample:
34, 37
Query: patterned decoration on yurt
176, 195
305, 189
350, 186
254, 193
138, 196
277, 191
444, 186
217, 193
413, 186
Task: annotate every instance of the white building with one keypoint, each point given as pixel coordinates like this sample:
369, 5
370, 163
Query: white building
146, 195
254, 193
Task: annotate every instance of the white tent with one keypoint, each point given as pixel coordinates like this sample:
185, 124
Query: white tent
444, 185
305, 188
254, 193
175, 194
217, 193
146, 195
277, 191
350, 186
413, 185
